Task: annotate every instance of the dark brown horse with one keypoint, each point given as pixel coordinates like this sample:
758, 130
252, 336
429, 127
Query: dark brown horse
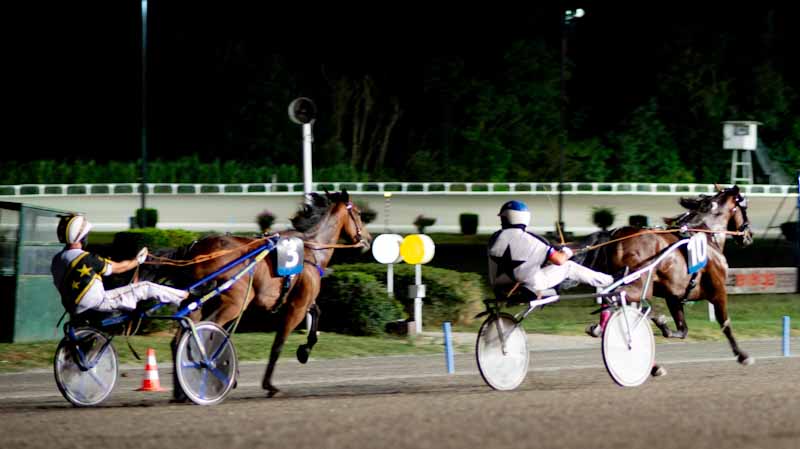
716, 215
321, 222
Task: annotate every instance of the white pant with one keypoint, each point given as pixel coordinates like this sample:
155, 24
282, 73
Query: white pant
127, 296
552, 275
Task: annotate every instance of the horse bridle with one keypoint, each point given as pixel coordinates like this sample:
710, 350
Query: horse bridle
355, 221
741, 203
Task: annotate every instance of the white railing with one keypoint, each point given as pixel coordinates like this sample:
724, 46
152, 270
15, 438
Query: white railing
455, 188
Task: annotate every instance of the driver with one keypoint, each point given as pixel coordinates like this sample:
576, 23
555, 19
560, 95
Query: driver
77, 274
519, 256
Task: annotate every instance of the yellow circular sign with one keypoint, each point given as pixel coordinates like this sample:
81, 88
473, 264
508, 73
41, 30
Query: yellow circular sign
417, 249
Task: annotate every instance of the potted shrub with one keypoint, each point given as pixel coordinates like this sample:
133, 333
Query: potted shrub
423, 222
146, 218
368, 214
469, 223
265, 220
639, 221
789, 230
603, 217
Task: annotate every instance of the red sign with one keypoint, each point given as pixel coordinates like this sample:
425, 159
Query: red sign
762, 280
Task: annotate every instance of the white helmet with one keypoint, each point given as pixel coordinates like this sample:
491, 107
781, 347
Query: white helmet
73, 228
515, 213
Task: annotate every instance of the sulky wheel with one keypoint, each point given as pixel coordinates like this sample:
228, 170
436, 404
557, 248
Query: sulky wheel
206, 379
502, 368
86, 368
628, 360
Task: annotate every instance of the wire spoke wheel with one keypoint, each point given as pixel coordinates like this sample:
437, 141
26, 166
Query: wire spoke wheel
85, 369
208, 375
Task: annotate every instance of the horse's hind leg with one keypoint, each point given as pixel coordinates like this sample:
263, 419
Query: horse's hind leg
177, 392
295, 313
675, 306
721, 311
303, 351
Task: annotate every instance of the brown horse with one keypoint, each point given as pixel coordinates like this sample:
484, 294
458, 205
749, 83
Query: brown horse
717, 214
322, 221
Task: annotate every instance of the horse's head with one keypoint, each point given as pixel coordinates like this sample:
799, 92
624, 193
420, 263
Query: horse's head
350, 217
724, 211
731, 207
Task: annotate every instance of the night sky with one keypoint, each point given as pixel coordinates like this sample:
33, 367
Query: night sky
75, 84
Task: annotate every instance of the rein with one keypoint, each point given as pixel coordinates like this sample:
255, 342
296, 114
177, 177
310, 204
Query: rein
320, 246
657, 231
158, 260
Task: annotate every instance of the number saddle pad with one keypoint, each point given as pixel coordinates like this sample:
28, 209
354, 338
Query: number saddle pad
289, 256
697, 253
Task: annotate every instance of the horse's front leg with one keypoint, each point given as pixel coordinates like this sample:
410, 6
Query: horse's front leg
721, 311
295, 313
675, 306
303, 351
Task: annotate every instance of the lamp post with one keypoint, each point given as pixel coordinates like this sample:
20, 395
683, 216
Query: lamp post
566, 21
143, 187
303, 111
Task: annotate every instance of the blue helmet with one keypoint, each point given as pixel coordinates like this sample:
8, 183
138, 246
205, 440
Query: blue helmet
515, 213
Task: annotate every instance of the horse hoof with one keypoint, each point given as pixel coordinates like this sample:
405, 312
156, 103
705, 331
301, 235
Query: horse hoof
179, 400
302, 353
594, 330
272, 391
746, 360
658, 371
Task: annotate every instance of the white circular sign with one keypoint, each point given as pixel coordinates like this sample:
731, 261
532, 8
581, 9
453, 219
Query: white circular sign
386, 248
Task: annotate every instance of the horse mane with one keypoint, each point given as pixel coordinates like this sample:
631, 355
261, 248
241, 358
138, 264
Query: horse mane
697, 208
317, 206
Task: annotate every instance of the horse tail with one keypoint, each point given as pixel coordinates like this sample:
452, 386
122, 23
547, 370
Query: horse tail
594, 258
164, 273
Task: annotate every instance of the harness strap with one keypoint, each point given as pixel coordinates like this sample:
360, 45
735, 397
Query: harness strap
244, 303
692, 284
316, 265
285, 288
55, 329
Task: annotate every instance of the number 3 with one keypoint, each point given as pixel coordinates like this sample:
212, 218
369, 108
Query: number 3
291, 251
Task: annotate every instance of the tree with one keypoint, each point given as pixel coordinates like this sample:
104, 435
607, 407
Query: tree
513, 122
772, 106
364, 118
646, 151
694, 97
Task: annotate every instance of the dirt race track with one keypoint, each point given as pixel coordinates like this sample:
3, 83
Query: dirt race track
567, 401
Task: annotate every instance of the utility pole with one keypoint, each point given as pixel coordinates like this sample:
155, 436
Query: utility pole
143, 186
566, 22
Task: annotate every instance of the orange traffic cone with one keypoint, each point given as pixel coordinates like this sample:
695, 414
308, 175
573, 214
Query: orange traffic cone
151, 382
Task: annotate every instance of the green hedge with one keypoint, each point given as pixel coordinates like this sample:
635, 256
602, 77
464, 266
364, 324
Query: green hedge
356, 304
451, 295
